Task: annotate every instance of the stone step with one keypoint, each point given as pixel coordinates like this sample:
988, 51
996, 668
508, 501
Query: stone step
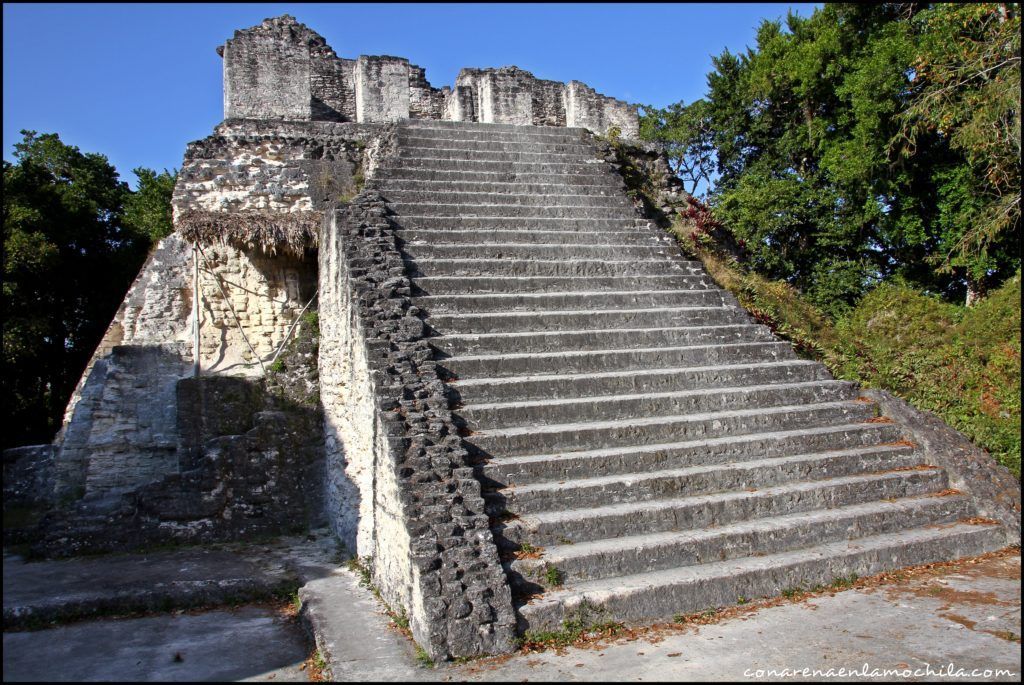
598, 361
523, 212
608, 558
456, 285
564, 386
578, 268
618, 460
419, 144
399, 198
535, 302
523, 133
492, 223
597, 176
491, 415
491, 131
577, 319
549, 528
597, 339
564, 186
532, 164
662, 594
524, 440
540, 251
420, 236
587, 493
524, 152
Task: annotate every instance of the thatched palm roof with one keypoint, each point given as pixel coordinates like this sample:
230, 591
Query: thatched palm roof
271, 233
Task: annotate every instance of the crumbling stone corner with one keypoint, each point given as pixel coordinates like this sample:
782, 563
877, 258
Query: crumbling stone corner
994, 491
433, 552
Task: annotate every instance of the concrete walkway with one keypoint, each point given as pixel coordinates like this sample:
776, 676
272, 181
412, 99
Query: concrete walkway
970, 618
968, 615
248, 643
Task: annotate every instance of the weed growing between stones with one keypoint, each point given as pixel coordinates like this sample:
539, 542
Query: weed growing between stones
578, 628
399, 619
316, 667
423, 659
553, 577
844, 582
363, 567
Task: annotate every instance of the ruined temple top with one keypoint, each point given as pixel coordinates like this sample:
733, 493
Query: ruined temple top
283, 70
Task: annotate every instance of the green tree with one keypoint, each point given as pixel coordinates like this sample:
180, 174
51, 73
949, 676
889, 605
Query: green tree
967, 91
809, 182
68, 259
148, 209
686, 133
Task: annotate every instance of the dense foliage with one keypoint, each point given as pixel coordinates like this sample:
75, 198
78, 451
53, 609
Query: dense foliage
74, 237
867, 163
864, 143
963, 363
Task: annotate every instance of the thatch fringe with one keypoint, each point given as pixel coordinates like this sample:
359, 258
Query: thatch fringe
291, 233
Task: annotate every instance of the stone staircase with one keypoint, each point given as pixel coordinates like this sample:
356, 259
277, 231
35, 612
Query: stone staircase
645, 448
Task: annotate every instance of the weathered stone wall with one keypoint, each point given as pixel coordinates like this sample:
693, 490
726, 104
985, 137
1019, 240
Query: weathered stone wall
155, 312
548, 103
132, 438
266, 170
251, 293
350, 417
122, 432
28, 476
425, 102
267, 72
506, 97
586, 108
382, 88
332, 86
271, 167
120, 429
250, 463
282, 70
432, 547
460, 104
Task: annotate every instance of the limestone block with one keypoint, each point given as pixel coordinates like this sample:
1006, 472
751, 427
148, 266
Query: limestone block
381, 89
506, 97
267, 73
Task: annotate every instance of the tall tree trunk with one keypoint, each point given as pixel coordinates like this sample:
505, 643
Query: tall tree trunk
975, 291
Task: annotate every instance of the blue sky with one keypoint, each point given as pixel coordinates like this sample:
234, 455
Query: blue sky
137, 82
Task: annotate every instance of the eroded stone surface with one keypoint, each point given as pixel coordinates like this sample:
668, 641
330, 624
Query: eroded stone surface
283, 70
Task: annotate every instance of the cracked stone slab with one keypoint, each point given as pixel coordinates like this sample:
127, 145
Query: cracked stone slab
39, 592
353, 635
246, 644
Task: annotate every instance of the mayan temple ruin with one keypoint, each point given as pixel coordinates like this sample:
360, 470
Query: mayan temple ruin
436, 321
